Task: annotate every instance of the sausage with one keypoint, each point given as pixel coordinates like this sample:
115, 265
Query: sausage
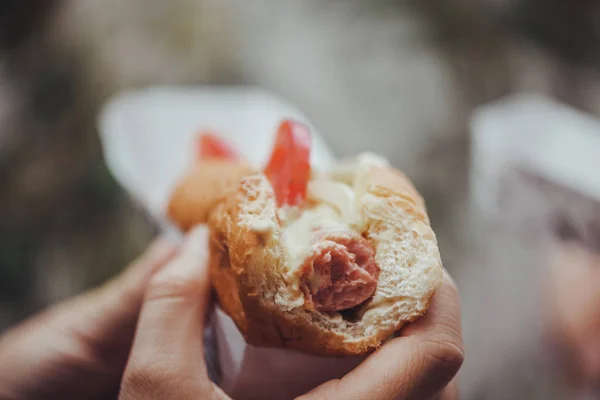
340, 273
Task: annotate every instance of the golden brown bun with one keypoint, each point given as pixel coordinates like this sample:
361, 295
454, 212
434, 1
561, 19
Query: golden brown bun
246, 266
202, 188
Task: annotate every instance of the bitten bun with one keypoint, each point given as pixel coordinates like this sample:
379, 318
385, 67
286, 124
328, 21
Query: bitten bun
250, 264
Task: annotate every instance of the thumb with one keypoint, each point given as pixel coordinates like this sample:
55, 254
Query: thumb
168, 353
118, 301
104, 319
80, 346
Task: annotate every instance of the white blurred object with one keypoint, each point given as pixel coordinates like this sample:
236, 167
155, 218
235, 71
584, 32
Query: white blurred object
149, 140
149, 136
539, 135
526, 150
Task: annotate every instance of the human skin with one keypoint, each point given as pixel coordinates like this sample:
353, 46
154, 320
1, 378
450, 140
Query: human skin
139, 337
573, 309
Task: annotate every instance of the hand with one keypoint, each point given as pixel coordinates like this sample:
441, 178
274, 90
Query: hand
78, 349
167, 359
420, 364
572, 306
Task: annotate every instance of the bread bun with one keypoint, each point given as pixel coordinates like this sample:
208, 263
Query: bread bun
251, 265
202, 188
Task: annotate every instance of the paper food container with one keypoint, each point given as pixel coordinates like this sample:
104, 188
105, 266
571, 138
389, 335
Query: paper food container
535, 177
149, 138
534, 134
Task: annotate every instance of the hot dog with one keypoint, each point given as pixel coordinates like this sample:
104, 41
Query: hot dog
324, 262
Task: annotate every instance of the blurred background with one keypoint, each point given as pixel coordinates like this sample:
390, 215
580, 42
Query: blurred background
398, 77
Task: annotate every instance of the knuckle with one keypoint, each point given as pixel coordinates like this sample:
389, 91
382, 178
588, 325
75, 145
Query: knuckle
143, 379
146, 380
166, 286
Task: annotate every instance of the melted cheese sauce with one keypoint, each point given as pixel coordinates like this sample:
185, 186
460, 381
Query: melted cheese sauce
335, 203
298, 235
333, 209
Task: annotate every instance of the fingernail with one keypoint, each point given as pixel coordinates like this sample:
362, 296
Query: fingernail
193, 255
157, 254
161, 248
196, 242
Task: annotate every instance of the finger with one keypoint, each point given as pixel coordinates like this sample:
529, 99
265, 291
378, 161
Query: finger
85, 316
81, 343
167, 355
449, 393
105, 318
417, 365
135, 277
